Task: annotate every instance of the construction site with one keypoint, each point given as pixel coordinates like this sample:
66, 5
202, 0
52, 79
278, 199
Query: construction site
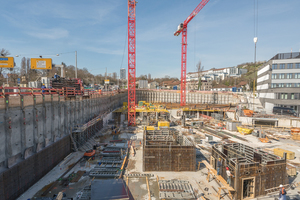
71, 143
171, 152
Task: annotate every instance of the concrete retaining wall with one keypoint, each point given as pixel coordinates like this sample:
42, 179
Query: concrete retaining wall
173, 96
31, 123
34, 134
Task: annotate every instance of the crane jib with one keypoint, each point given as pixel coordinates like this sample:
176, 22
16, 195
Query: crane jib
182, 28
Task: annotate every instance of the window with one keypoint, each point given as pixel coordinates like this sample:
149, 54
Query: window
274, 66
289, 76
297, 84
282, 96
292, 96
281, 76
274, 76
290, 65
297, 65
281, 66
288, 85
280, 85
297, 75
285, 96
277, 95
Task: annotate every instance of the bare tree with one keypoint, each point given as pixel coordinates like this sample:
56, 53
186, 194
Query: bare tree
3, 52
28, 69
23, 66
199, 73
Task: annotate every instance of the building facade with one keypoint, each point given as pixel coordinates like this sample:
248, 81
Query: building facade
216, 74
278, 82
153, 85
143, 84
123, 74
206, 85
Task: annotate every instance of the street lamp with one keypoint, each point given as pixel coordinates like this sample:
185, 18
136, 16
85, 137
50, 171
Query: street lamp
255, 41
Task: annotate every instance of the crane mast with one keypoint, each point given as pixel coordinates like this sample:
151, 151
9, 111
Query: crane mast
182, 28
131, 62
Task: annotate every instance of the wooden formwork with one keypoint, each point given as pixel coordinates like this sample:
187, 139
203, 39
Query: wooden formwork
167, 155
262, 170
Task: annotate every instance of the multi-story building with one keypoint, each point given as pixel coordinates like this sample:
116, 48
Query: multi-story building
123, 74
216, 74
278, 82
153, 85
143, 84
206, 85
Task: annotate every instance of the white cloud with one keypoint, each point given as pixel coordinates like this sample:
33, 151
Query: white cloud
53, 33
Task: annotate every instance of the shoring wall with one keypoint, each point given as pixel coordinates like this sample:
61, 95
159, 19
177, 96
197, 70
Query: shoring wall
173, 96
34, 135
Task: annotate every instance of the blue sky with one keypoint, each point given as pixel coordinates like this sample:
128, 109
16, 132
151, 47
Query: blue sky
221, 35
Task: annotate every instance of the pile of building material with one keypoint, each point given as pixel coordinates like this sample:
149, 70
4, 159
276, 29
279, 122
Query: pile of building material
175, 189
111, 165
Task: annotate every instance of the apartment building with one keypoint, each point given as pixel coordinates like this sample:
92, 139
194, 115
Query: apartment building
206, 85
216, 74
278, 82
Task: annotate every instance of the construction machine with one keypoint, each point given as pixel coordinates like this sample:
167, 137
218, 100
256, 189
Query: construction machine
90, 154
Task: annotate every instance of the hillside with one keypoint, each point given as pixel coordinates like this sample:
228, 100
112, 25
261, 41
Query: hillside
248, 77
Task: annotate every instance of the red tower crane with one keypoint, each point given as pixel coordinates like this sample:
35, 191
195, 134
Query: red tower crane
131, 62
182, 28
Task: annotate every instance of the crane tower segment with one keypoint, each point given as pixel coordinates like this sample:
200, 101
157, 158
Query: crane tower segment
131, 62
182, 28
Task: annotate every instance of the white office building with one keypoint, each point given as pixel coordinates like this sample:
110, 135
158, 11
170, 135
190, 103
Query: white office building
278, 82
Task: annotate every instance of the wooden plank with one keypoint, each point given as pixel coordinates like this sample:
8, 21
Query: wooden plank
59, 196
148, 188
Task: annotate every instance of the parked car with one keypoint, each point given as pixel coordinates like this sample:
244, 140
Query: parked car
284, 111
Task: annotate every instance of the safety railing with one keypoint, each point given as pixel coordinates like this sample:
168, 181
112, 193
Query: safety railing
66, 91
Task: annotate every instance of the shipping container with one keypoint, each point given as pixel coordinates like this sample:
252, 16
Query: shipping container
163, 124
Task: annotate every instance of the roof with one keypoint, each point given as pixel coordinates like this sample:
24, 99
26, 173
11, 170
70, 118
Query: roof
170, 83
281, 56
242, 83
222, 86
213, 69
219, 69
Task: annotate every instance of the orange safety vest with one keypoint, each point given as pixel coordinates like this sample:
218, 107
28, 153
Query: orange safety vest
282, 190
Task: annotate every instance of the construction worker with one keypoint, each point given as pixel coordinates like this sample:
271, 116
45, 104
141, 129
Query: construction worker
56, 76
43, 87
219, 166
282, 193
228, 173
